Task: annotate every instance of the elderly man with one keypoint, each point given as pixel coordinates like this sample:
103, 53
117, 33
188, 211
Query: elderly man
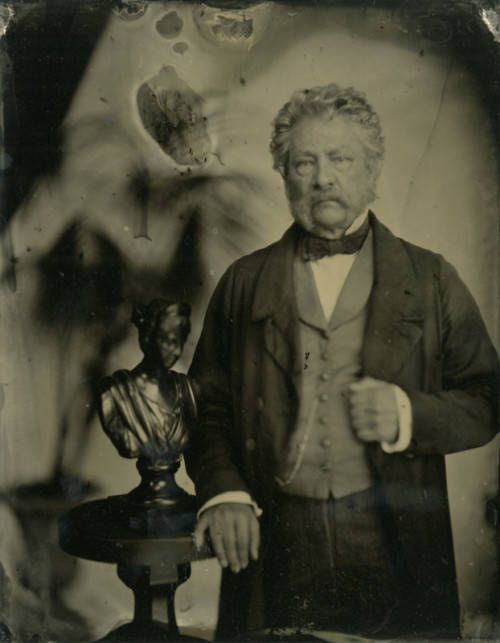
337, 368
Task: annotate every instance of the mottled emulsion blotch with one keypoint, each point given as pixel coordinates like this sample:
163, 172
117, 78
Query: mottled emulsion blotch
172, 114
131, 10
6, 15
180, 48
491, 18
170, 26
228, 26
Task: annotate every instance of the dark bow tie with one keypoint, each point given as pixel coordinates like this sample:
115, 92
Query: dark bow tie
314, 248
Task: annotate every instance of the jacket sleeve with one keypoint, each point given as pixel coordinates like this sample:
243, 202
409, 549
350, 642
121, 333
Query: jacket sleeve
463, 414
212, 459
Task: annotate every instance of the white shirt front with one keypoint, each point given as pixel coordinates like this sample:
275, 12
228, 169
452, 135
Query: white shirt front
330, 273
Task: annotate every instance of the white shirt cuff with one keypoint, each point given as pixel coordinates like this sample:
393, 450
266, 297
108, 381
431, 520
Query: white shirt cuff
241, 497
404, 423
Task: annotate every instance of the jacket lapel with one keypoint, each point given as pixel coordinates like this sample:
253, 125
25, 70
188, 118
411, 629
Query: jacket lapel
395, 314
275, 305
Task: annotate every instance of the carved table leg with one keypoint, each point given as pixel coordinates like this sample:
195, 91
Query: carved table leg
154, 595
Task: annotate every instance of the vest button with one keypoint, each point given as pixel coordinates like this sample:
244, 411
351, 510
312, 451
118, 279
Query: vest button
326, 442
326, 467
323, 397
325, 356
250, 444
324, 376
324, 420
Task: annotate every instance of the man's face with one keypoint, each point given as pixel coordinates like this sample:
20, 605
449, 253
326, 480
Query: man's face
328, 184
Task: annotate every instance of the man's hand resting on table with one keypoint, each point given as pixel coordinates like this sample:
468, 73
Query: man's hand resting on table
234, 532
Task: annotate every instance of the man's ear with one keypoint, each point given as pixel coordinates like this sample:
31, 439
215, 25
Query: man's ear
374, 167
283, 167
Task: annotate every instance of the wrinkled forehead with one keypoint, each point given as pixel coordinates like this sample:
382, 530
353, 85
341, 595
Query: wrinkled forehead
330, 133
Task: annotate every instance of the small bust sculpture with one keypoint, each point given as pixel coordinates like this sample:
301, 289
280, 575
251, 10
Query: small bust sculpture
148, 412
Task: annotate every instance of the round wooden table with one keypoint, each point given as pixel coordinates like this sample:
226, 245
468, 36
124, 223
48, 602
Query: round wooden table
153, 547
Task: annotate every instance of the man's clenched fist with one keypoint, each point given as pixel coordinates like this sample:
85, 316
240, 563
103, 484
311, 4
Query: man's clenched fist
374, 411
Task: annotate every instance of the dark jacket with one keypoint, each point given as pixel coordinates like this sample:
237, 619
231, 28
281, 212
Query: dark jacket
424, 333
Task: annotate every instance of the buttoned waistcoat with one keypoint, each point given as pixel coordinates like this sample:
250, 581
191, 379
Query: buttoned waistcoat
324, 458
